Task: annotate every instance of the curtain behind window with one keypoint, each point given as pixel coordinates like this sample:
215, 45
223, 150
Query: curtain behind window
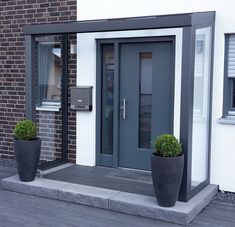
45, 60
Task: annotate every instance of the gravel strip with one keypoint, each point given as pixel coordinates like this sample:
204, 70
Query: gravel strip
225, 197
7, 162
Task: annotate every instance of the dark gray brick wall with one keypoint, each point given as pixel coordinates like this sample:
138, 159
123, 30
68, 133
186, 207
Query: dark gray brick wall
50, 128
13, 15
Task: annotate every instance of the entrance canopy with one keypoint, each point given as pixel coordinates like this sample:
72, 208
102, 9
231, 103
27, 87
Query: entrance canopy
196, 80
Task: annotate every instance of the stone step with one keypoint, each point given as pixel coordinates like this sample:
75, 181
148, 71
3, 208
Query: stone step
129, 203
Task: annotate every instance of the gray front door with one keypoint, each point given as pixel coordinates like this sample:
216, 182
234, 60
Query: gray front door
146, 99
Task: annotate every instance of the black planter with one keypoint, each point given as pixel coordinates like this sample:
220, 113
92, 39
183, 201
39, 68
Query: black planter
167, 176
27, 154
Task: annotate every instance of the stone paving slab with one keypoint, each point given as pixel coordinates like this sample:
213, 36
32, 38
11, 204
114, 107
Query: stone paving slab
87, 195
145, 206
140, 205
39, 187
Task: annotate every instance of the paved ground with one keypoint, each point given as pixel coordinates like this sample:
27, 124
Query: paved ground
24, 210
133, 181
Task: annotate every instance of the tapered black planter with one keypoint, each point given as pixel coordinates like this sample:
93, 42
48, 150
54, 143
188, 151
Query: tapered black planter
167, 176
27, 155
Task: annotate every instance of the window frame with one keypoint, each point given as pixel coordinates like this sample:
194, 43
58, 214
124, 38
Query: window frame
228, 110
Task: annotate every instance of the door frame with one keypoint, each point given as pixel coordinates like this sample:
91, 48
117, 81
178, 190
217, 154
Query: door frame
113, 160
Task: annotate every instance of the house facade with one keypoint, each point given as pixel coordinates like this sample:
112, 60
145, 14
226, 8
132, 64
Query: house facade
157, 68
222, 122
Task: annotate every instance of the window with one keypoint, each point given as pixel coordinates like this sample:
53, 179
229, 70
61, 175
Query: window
145, 100
49, 71
229, 79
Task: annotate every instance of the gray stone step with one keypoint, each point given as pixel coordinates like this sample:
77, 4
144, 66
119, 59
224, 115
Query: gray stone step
129, 203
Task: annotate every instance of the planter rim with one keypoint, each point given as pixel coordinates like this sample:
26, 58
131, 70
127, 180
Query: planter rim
160, 157
37, 138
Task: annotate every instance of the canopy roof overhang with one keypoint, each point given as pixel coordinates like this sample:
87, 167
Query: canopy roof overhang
121, 24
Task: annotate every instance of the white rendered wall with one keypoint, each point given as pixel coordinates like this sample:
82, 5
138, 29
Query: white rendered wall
223, 145
86, 75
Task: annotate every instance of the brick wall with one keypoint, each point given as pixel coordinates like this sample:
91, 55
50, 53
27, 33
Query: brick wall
72, 72
50, 129
13, 15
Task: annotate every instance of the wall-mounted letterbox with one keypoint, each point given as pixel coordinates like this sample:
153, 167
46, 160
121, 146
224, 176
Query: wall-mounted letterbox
81, 98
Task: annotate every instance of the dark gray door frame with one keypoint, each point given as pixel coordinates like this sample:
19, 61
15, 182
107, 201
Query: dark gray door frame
103, 159
30, 51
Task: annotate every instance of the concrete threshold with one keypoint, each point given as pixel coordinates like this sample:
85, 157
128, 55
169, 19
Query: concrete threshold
129, 203
54, 169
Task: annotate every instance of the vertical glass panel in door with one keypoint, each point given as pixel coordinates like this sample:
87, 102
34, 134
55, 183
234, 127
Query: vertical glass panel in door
201, 103
145, 100
107, 98
48, 96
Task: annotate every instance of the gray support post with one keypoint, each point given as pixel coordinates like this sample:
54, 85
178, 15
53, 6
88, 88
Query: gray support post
30, 81
186, 110
64, 97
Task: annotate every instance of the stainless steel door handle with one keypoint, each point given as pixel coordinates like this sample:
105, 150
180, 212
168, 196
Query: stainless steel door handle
123, 108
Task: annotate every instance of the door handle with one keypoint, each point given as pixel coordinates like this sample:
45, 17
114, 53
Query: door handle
123, 108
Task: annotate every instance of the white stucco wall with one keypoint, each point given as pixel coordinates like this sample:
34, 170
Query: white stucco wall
223, 145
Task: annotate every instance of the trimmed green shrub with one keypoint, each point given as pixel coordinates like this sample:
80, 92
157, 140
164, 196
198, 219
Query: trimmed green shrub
25, 130
167, 146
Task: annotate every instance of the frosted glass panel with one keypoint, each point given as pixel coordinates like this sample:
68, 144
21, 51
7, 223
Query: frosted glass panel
145, 100
201, 102
107, 98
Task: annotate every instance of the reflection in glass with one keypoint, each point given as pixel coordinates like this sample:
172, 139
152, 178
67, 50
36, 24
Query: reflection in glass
201, 102
199, 68
145, 100
233, 93
49, 71
107, 98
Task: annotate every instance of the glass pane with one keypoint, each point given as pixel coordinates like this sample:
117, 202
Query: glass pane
49, 71
48, 96
107, 98
145, 100
201, 102
233, 93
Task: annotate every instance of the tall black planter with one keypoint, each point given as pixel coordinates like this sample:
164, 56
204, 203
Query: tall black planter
167, 176
27, 154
